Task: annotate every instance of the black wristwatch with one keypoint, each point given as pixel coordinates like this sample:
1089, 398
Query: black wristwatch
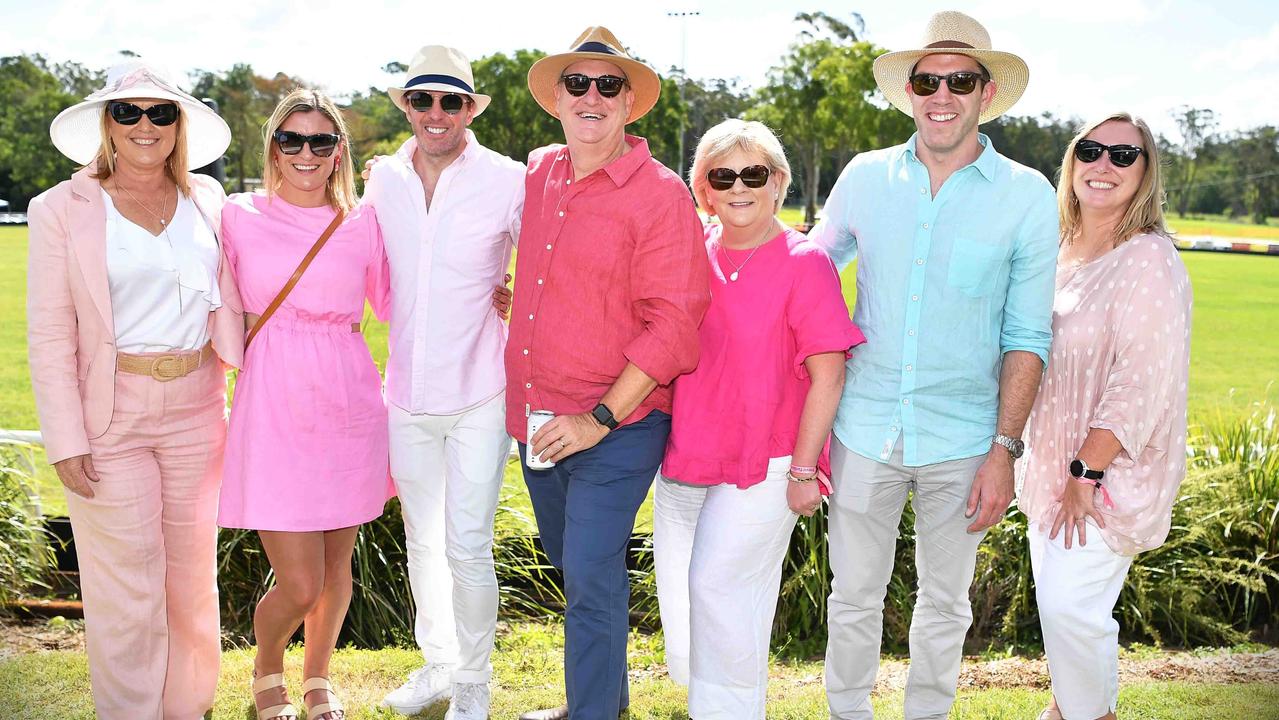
604, 416
1080, 469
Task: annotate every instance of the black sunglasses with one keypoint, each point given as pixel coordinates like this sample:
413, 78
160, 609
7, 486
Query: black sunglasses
451, 103
752, 177
960, 83
127, 113
578, 84
290, 143
1089, 151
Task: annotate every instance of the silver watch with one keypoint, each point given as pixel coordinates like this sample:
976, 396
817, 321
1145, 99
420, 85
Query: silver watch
1014, 446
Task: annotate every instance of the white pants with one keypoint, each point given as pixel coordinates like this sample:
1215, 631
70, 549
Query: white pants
448, 472
1076, 591
865, 511
718, 553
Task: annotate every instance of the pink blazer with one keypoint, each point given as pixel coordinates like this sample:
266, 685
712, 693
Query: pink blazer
70, 327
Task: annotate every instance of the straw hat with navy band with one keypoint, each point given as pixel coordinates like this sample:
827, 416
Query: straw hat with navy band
439, 69
77, 131
954, 33
596, 43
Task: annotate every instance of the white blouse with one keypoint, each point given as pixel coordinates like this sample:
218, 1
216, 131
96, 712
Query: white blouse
162, 287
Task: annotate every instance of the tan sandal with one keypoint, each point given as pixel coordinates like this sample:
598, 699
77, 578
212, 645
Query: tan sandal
333, 705
271, 682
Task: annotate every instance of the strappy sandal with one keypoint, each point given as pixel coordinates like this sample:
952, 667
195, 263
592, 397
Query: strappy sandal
1048, 714
283, 710
331, 706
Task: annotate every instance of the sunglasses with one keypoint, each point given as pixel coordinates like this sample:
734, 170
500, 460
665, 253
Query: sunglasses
451, 103
290, 143
126, 113
754, 176
578, 84
1089, 151
960, 83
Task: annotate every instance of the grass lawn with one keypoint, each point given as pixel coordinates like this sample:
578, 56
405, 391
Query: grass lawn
528, 673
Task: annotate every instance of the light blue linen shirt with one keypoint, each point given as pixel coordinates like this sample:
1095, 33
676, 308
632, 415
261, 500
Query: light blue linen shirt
945, 286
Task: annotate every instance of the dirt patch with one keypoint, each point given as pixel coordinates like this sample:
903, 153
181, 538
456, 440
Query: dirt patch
20, 636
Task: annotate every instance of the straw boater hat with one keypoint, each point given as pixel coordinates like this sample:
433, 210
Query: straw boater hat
441, 69
77, 131
956, 33
596, 43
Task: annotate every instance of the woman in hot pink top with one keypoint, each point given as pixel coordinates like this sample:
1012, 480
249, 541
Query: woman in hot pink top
307, 458
1106, 440
749, 428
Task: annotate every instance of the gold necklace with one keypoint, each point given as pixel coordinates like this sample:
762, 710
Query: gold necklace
738, 268
164, 207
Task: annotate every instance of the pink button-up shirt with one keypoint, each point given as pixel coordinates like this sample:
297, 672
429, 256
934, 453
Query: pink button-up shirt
446, 339
1120, 361
612, 269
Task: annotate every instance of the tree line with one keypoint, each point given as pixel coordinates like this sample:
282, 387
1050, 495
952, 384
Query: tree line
819, 97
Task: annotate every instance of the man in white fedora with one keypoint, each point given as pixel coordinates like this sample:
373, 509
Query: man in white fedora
957, 248
611, 284
450, 215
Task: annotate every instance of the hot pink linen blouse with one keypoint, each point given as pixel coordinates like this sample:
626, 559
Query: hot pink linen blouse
1120, 361
742, 404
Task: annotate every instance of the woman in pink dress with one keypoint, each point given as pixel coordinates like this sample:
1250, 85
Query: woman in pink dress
1106, 445
750, 426
306, 460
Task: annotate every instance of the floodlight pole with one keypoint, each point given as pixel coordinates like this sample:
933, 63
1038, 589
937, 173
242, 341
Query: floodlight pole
683, 16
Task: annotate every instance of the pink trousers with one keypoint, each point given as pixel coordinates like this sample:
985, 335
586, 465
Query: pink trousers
146, 543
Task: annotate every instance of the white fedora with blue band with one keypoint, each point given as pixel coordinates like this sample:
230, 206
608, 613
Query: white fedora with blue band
596, 43
439, 69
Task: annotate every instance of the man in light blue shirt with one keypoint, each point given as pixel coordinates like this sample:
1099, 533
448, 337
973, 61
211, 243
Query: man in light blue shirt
956, 248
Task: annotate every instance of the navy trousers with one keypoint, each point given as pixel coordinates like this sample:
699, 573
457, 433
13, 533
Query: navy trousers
585, 508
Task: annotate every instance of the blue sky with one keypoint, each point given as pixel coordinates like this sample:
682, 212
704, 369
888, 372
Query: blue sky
1087, 57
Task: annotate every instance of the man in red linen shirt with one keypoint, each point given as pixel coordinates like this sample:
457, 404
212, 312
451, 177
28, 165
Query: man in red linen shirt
610, 286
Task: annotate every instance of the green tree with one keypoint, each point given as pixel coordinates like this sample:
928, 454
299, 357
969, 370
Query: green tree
245, 100
31, 95
1196, 126
514, 123
1036, 142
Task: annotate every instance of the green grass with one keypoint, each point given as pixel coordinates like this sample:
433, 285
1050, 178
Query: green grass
528, 673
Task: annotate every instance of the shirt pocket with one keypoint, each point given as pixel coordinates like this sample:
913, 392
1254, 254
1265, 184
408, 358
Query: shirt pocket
974, 266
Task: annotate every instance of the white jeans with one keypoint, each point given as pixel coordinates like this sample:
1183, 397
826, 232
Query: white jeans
448, 472
718, 553
1076, 591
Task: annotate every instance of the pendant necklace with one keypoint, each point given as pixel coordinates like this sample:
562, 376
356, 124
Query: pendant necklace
737, 269
164, 207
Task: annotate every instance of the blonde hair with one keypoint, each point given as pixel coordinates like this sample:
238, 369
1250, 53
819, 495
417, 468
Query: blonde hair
1145, 214
175, 166
749, 137
340, 187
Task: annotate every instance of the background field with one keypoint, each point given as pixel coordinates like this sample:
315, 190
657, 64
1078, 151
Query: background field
1234, 353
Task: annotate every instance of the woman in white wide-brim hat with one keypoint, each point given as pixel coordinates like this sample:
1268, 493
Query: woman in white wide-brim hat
131, 314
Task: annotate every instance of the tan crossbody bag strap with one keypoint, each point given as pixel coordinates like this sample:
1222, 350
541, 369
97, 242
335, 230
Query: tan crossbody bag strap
297, 275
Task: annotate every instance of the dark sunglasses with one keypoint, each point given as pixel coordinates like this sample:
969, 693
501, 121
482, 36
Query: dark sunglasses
960, 83
578, 84
290, 143
1089, 151
422, 101
127, 113
752, 177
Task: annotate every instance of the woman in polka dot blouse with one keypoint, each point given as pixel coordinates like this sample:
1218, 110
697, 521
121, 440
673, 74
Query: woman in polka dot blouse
1106, 440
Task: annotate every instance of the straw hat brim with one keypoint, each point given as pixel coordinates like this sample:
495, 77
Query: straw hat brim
545, 75
397, 95
1008, 71
77, 131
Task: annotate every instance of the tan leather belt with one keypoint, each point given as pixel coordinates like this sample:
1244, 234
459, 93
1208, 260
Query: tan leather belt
166, 367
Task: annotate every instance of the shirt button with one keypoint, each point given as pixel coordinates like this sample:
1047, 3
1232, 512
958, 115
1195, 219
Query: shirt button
526, 351
909, 368
919, 261
923, 191
528, 385
925, 224
914, 298
905, 401
561, 213
568, 182
539, 281
910, 333
548, 246
530, 316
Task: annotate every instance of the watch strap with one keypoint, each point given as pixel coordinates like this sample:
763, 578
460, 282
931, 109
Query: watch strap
604, 416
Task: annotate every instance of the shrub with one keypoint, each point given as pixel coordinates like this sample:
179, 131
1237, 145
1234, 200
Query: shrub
26, 555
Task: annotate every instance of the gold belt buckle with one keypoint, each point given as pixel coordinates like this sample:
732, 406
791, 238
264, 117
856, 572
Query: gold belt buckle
168, 367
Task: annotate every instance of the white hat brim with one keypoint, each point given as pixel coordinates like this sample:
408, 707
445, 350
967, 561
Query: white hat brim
77, 131
397, 95
1008, 71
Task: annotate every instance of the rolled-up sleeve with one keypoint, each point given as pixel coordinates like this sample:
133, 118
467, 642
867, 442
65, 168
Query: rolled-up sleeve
670, 291
1027, 324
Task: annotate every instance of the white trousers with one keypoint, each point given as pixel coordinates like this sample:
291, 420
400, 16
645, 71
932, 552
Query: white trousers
448, 473
1076, 591
865, 511
718, 553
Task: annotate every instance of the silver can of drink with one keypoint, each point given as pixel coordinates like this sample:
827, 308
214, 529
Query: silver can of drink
536, 420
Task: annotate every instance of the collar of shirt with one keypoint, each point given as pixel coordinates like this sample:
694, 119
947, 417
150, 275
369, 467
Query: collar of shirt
621, 169
985, 163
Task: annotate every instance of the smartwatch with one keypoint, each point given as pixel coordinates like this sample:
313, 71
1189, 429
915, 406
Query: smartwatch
1080, 469
604, 416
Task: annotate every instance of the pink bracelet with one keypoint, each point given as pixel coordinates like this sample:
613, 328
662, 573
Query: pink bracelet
802, 470
1105, 496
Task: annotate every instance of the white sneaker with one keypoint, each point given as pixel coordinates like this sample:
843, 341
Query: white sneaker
470, 702
426, 686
